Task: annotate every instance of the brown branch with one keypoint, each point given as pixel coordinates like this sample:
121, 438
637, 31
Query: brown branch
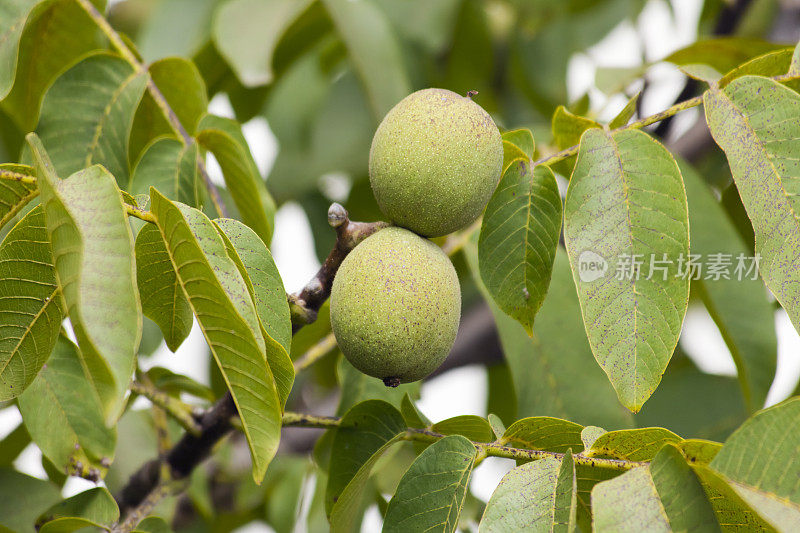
307, 302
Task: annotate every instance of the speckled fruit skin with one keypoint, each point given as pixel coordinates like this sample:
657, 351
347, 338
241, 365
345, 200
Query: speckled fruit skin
395, 306
435, 160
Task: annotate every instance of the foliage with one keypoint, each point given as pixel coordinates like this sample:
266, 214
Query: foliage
118, 236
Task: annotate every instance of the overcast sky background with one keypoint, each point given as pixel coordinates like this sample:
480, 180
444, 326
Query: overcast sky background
463, 391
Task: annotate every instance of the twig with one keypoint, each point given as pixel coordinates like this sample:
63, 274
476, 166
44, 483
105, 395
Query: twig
178, 410
143, 509
316, 352
174, 122
306, 303
492, 449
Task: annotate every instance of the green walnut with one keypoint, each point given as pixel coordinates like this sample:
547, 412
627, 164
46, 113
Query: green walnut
435, 160
395, 306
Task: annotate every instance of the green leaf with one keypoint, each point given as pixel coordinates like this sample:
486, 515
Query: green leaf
699, 451
666, 496
87, 115
723, 53
13, 15
22, 499
761, 462
223, 137
172, 383
431, 493
171, 167
373, 48
56, 35
551, 372
355, 387
13, 444
771, 64
247, 32
522, 139
221, 302
632, 444
568, 128
589, 435
163, 300
738, 304
626, 228
15, 195
627, 112
265, 286
537, 496
518, 240
544, 433
756, 122
64, 417
94, 507
31, 307
413, 416
498, 428
182, 86
794, 66
364, 434
473, 427
153, 524
730, 509
95, 267
675, 405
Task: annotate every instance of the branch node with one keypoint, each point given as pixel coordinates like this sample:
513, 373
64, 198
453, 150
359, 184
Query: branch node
337, 215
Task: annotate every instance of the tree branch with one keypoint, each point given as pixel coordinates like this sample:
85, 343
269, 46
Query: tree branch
178, 410
306, 303
173, 120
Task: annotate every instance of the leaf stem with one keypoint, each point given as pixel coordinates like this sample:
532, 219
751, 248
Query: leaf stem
174, 122
17, 176
490, 449
646, 121
316, 352
178, 410
143, 509
140, 213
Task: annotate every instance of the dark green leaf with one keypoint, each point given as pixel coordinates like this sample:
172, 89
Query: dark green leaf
626, 228
723, 53
431, 494
22, 499
413, 416
364, 434
31, 310
730, 508
153, 524
94, 507
14, 15
87, 116
552, 372
95, 267
522, 139
64, 416
518, 240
